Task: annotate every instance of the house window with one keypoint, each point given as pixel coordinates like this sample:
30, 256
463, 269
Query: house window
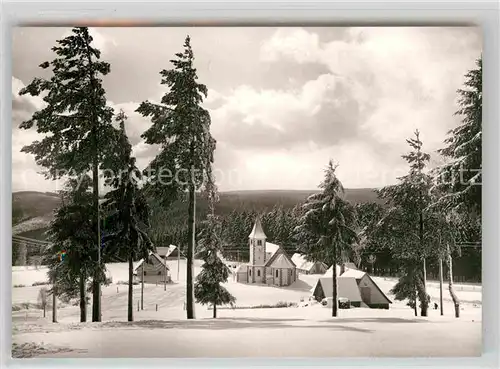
159, 273
258, 273
277, 273
145, 273
259, 243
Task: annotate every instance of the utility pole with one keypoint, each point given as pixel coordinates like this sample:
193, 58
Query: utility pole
165, 279
178, 261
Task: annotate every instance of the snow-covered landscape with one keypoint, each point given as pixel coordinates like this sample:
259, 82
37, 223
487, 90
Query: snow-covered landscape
263, 192
249, 331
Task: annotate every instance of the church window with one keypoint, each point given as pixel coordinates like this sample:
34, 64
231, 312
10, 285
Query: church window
277, 273
258, 273
259, 243
250, 271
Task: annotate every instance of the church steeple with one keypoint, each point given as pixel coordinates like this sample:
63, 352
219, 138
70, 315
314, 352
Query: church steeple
257, 243
257, 231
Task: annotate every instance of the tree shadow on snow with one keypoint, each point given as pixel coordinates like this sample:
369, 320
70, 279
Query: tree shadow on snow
231, 323
374, 320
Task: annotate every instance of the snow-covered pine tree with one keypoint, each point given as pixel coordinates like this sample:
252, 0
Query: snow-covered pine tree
404, 225
330, 219
128, 212
460, 178
73, 231
367, 215
76, 122
181, 126
208, 288
458, 183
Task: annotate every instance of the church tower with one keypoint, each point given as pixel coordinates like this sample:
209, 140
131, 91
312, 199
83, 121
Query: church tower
257, 239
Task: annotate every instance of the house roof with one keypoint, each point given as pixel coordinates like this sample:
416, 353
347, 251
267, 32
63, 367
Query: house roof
329, 271
282, 261
165, 251
347, 288
257, 231
352, 272
301, 262
378, 288
157, 257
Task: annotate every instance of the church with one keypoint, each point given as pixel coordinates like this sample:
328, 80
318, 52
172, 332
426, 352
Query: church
269, 263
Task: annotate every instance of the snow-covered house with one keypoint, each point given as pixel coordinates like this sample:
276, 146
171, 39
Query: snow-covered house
156, 270
269, 263
346, 288
371, 294
308, 267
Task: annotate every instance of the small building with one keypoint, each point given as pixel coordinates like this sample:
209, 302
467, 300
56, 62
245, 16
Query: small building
371, 294
156, 270
308, 267
170, 253
346, 288
269, 263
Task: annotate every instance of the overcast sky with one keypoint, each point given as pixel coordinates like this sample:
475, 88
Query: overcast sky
282, 101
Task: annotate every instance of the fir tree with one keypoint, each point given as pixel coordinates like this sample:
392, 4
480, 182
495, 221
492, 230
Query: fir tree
460, 178
76, 122
208, 289
181, 126
330, 219
128, 212
403, 226
71, 256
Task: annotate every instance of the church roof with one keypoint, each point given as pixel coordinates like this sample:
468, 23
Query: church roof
257, 231
271, 248
282, 261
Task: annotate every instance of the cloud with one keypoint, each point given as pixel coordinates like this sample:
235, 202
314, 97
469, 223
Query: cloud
322, 112
406, 77
290, 98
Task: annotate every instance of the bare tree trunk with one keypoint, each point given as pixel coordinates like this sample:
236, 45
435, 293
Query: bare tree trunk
456, 301
334, 284
415, 307
54, 303
425, 274
441, 285
142, 284
215, 311
190, 251
44, 309
424, 303
130, 297
96, 283
83, 297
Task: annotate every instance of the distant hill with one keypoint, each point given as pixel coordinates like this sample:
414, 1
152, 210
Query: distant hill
32, 211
